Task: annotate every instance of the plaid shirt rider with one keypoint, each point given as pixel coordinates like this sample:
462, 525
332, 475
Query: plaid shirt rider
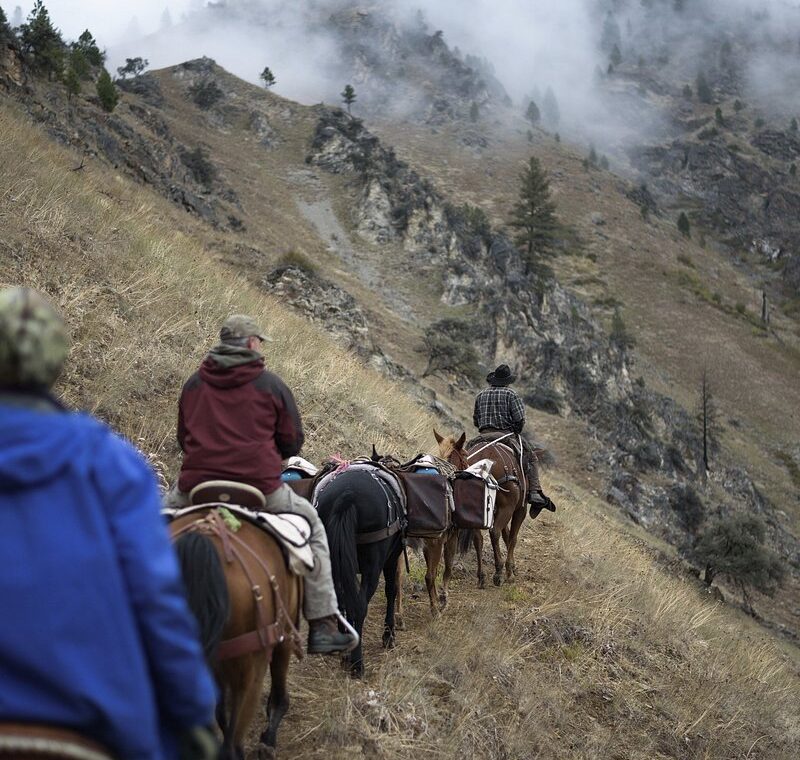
500, 408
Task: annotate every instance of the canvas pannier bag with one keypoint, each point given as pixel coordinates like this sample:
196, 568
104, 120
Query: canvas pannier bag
427, 503
474, 499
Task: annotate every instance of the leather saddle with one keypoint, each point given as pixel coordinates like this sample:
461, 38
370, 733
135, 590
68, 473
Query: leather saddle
228, 492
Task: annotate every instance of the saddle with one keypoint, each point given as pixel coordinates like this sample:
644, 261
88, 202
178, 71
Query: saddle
243, 502
32, 741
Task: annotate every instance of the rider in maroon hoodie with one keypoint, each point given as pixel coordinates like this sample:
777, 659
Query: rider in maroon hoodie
243, 433
237, 421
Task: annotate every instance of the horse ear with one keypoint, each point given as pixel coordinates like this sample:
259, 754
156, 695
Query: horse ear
438, 438
461, 441
375, 457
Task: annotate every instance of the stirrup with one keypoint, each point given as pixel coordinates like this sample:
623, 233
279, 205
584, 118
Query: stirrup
349, 628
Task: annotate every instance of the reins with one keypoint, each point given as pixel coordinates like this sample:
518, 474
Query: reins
267, 635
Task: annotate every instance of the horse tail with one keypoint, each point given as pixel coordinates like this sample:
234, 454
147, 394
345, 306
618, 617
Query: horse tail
341, 525
464, 540
206, 588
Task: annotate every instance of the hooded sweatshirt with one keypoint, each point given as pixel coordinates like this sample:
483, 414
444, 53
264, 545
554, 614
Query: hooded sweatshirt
95, 633
236, 421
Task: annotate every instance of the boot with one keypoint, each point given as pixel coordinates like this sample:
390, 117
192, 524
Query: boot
538, 502
324, 637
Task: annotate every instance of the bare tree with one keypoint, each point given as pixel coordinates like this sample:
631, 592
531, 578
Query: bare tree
708, 420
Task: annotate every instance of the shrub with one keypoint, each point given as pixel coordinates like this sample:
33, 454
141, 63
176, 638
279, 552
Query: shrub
293, 258
620, 336
545, 399
205, 94
449, 347
734, 547
200, 167
684, 227
688, 505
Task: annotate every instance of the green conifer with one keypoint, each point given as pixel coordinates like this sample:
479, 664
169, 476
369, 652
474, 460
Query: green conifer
107, 91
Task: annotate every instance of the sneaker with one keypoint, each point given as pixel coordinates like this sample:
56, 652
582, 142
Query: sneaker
324, 637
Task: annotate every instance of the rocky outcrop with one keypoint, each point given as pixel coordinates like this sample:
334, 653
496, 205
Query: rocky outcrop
741, 197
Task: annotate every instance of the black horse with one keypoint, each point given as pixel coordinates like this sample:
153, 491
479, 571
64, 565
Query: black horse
364, 520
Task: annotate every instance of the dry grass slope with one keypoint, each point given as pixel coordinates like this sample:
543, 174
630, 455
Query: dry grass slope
596, 651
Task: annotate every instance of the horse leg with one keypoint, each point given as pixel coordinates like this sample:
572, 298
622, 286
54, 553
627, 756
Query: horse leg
449, 553
477, 540
278, 702
511, 541
371, 563
433, 554
390, 580
399, 623
253, 670
231, 688
497, 578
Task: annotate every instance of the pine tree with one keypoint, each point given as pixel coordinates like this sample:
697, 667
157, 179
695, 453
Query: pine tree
793, 125
532, 113
616, 56
87, 45
708, 421
718, 117
793, 170
683, 225
267, 77
107, 92
72, 81
79, 64
704, 93
5, 29
133, 66
348, 96
550, 111
604, 162
474, 112
533, 215
592, 155
737, 105
687, 92
42, 41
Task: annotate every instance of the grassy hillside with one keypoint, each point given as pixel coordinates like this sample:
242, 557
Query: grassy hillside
596, 651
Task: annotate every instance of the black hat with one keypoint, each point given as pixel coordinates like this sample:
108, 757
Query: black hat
501, 376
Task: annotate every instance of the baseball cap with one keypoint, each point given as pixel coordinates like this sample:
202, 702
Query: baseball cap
241, 326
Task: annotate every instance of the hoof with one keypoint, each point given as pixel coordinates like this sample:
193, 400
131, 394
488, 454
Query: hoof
388, 638
442, 601
497, 579
263, 752
482, 581
399, 623
357, 671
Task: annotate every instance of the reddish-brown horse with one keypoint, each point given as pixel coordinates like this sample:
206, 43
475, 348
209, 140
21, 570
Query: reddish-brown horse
247, 604
510, 506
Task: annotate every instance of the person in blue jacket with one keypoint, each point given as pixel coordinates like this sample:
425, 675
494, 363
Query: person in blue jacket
95, 634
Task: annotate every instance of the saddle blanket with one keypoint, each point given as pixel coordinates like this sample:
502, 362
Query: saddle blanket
291, 531
376, 471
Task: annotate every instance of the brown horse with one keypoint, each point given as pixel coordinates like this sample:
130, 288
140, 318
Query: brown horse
510, 506
247, 604
433, 548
